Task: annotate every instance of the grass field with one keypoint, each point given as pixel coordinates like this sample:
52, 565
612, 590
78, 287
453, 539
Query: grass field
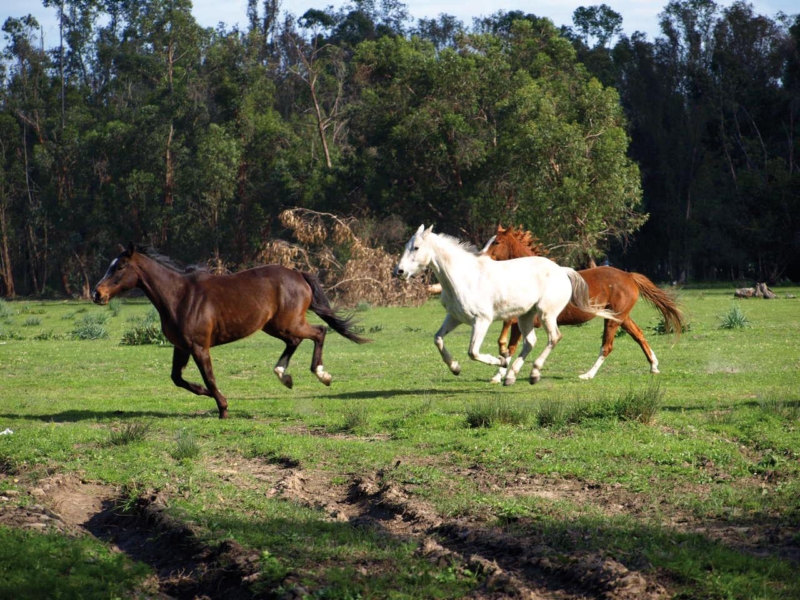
402, 480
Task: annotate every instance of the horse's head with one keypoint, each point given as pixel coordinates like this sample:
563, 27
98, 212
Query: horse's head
121, 276
417, 254
500, 246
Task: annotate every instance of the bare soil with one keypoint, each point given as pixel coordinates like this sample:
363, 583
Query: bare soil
511, 565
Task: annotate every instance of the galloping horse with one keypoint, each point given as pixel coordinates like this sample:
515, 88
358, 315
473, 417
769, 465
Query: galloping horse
477, 290
199, 310
611, 288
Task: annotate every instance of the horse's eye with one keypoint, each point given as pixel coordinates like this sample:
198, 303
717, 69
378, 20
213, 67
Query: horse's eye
416, 248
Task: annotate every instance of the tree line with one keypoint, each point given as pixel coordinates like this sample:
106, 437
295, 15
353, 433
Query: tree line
675, 157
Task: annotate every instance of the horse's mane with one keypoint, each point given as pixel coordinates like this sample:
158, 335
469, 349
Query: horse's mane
166, 261
527, 239
462, 245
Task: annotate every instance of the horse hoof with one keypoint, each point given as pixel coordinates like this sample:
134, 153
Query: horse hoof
326, 380
585, 376
535, 379
509, 381
455, 369
287, 381
223, 414
496, 379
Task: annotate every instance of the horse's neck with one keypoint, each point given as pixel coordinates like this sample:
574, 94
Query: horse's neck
519, 250
162, 286
451, 265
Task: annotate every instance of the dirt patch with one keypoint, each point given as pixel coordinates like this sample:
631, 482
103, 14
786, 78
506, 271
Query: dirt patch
184, 567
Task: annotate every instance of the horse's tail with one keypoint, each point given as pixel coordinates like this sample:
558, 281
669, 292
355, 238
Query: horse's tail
664, 301
580, 297
321, 306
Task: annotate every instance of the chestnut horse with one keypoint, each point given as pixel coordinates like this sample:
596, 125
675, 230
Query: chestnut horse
199, 310
610, 288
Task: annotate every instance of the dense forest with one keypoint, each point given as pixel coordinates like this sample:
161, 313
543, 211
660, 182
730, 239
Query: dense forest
678, 157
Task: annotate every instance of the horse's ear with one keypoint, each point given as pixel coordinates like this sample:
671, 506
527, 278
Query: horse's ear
500, 229
420, 230
131, 249
429, 230
121, 248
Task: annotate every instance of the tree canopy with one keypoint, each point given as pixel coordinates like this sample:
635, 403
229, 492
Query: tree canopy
676, 157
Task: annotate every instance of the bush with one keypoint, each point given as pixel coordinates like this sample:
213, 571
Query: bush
355, 416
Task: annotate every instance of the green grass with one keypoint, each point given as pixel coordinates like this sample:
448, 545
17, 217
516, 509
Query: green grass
645, 469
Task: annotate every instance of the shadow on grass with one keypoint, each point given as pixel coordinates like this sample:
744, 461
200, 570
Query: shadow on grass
74, 416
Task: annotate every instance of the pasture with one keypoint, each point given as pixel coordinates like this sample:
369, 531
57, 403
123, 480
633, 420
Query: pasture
402, 480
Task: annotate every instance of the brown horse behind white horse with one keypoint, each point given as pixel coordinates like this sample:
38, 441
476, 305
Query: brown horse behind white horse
618, 291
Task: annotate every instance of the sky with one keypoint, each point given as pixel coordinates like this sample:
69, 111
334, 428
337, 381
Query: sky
637, 15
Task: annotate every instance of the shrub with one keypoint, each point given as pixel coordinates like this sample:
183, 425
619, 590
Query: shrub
32, 322
10, 334
734, 319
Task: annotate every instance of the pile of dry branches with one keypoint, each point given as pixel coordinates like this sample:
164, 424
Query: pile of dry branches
351, 271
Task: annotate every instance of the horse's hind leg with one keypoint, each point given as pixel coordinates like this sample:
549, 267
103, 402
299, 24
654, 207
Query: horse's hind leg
550, 323
283, 361
316, 359
528, 334
202, 359
180, 358
633, 330
507, 344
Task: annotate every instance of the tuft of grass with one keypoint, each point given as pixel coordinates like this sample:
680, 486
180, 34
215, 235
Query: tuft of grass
376, 328
32, 322
734, 319
146, 331
115, 305
786, 409
186, 446
363, 307
6, 312
660, 328
640, 405
487, 413
10, 334
90, 327
356, 416
552, 413
27, 309
46, 336
134, 431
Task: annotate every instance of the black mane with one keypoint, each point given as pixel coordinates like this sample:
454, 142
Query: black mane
166, 261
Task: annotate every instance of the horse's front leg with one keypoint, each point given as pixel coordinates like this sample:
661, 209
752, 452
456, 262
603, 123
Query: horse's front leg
479, 329
448, 325
202, 359
180, 358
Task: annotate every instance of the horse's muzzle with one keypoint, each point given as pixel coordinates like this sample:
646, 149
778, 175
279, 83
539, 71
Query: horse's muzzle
98, 298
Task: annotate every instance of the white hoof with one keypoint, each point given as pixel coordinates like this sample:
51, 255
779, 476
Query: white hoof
510, 379
455, 368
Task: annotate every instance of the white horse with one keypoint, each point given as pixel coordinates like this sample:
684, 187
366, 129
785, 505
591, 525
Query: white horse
477, 290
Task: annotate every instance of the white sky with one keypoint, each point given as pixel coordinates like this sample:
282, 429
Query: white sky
637, 15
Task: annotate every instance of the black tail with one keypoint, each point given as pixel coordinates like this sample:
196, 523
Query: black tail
321, 306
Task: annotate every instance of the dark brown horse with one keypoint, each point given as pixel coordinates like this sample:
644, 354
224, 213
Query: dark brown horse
199, 310
615, 290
